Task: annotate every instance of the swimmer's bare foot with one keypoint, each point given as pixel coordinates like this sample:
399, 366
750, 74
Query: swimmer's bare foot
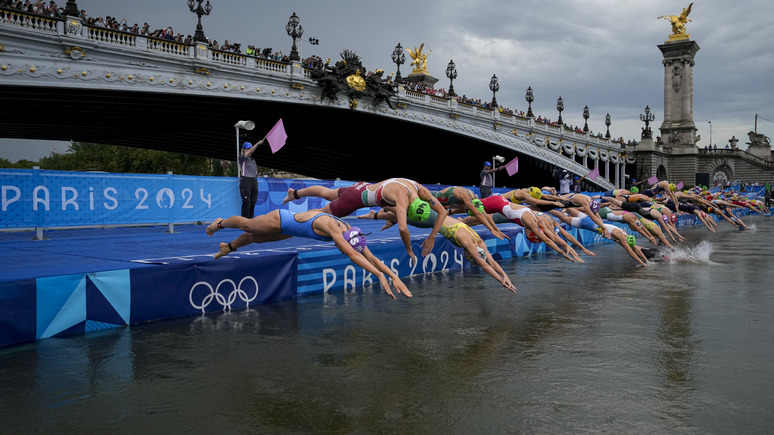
370, 215
215, 226
291, 196
225, 249
387, 224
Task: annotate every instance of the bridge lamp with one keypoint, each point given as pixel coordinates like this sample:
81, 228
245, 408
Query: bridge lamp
530, 98
647, 118
607, 123
398, 58
710, 123
295, 31
494, 86
560, 108
451, 73
199, 10
247, 125
586, 119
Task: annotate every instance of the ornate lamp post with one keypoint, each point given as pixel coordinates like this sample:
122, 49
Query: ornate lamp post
71, 9
710, 123
494, 86
560, 108
530, 98
295, 31
647, 118
398, 58
199, 10
586, 118
451, 73
607, 123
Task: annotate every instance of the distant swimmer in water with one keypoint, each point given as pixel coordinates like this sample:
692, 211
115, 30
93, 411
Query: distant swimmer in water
282, 224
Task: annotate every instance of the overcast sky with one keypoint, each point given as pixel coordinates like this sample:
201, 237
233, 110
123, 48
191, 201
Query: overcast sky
600, 53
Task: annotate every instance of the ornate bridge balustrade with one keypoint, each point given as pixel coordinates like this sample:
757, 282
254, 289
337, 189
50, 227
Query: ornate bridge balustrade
66, 53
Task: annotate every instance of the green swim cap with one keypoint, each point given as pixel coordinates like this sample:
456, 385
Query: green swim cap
631, 240
419, 210
479, 206
634, 189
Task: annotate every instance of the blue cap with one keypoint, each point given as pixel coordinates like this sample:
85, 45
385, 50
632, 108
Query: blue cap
247, 145
487, 164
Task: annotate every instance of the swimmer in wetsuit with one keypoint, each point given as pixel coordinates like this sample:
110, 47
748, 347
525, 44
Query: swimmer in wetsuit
282, 224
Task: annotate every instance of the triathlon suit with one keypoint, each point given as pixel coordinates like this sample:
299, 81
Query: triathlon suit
569, 203
373, 198
349, 200
584, 222
687, 208
612, 193
498, 204
447, 199
291, 227
633, 207
652, 192
450, 233
607, 214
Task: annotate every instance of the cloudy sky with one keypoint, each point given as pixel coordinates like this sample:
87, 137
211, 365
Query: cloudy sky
600, 53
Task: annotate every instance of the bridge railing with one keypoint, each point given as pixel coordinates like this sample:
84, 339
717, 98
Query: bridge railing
30, 21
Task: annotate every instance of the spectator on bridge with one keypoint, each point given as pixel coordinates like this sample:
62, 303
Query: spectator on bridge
485, 179
248, 181
565, 181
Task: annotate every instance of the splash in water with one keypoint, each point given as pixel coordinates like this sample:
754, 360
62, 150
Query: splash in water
696, 254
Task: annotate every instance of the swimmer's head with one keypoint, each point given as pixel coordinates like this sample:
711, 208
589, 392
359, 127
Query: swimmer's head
355, 237
594, 205
674, 218
531, 236
672, 187
478, 205
419, 210
631, 240
634, 189
481, 253
535, 192
665, 218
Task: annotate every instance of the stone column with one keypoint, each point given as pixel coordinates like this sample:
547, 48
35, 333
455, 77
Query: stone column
678, 129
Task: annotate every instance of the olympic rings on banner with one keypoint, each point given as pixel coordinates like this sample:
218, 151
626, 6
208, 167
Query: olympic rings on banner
218, 297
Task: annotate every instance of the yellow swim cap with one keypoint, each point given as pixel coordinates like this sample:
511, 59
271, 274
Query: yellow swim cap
535, 192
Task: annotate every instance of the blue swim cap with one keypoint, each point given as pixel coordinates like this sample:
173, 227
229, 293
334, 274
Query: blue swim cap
247, 145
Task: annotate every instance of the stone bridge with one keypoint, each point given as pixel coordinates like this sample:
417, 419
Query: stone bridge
65, 80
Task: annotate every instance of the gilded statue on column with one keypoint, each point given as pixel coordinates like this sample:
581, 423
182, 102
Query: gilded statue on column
420, 59
678, 24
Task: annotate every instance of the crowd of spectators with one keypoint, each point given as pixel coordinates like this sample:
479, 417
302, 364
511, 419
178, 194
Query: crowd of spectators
51, 9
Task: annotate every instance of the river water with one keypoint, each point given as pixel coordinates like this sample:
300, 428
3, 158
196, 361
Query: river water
683, 346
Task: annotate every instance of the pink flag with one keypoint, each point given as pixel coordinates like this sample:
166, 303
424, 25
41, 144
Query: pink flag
653, 180
594, 174
277, 136
512, 167
679, 186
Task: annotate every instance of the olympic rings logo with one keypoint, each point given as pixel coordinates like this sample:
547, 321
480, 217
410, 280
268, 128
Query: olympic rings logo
216, 295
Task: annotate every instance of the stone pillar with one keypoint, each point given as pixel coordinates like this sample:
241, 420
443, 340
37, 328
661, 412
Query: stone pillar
678, 129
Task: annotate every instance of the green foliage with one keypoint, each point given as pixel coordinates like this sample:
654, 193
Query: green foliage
109, 158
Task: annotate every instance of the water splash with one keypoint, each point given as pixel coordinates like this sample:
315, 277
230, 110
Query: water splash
692, 254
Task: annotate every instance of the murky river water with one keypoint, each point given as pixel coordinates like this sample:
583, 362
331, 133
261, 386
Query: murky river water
683, 346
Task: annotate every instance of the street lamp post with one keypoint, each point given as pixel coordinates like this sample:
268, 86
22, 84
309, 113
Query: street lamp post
560, 108
586, 119
530, 98
607, 123
199, 10
710, 123
647, 118
295, 31
71, 9
247, 125
451, 73
494, 86
398, 58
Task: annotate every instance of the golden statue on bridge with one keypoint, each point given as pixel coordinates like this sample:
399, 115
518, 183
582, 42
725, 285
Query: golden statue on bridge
678, 24
420, 59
